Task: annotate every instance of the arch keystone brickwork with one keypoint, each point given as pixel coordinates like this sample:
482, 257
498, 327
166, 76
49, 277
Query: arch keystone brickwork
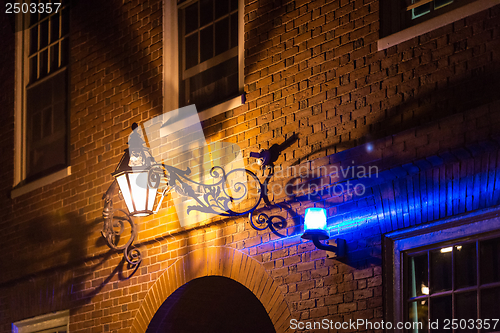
218, 261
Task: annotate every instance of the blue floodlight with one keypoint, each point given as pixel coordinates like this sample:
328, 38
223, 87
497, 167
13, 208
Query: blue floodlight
315, 229
315, 223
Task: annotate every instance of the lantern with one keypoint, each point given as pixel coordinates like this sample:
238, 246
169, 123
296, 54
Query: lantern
315, 223
131, 175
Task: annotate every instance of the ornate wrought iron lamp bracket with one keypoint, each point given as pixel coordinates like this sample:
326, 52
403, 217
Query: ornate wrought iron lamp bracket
114, 227
141, 179
215, 198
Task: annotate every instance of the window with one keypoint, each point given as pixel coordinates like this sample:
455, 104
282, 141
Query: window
424, 9
399, 15
446, 270
42, 105
406, 19
209, 59
56, 322
456, 281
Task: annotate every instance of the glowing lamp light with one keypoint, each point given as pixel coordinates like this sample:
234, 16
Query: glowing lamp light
315, 223
315, 229
138, 196
131, 175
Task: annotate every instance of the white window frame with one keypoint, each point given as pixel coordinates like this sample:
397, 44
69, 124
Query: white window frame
21, 77
42, 323
435, 23
171, 62
457, 228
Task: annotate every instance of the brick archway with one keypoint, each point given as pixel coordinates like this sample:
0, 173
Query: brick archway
219, 261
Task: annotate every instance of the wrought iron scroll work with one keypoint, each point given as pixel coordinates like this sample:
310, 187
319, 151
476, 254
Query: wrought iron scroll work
215, 198
263, 221
115, 225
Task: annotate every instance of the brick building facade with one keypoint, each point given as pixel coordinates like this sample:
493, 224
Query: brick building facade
423, 111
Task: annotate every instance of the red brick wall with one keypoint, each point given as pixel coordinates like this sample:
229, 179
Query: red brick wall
312, 67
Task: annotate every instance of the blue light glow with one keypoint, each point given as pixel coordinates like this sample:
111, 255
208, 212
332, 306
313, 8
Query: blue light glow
315, 219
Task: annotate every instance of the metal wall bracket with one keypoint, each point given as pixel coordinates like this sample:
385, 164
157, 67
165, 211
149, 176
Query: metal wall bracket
336, 250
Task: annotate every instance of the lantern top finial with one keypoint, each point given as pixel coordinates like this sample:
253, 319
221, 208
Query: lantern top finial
135, 139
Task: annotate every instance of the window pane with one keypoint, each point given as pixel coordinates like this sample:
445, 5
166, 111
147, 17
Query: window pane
214, 85
206, 12
417, 276
191, 18
43, 14
33, 18
34, 39
54, 57
440, 270
191, 51
206, 37
441, 3
490, 298
465, 308
465, 265
417, 313
489, 252
33, 68
35, 127
206, 43
46, 147
221, 8
420, 11
39, 97
60, 117
54, 28
44, 61
44, 34
441, 308
222, 36
234, 5
47, 122
234, 30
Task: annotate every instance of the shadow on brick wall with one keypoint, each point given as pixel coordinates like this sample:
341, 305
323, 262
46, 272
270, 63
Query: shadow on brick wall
431, 106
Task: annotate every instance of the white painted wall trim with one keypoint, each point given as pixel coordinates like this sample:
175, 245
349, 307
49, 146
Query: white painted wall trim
19, 121
44, 322
220, 108
16, 192
435, 23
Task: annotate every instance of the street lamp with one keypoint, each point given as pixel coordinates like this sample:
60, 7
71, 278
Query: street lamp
143, 184
132, 177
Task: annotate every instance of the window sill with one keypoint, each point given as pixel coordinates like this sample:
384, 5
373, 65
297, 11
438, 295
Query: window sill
436, 22
18, 191
40, 323
221, 108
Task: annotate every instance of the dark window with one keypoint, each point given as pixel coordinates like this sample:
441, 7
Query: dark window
46, 108
459, 281
402, 14
208, 46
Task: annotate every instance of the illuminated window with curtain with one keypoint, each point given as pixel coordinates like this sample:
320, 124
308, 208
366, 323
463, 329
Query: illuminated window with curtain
458, 281
43, 105
208, 52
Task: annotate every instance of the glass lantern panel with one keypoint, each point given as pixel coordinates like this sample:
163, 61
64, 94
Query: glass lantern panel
125, 189
315, 219
138, 183
151, 198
